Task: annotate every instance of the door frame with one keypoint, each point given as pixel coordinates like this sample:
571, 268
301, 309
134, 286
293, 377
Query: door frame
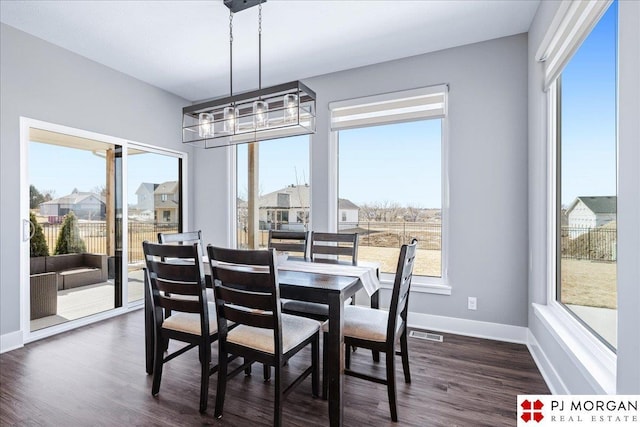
27, 123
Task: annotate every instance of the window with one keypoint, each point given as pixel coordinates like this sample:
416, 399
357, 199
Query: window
166, 215
584, 97
390, 186
272, 180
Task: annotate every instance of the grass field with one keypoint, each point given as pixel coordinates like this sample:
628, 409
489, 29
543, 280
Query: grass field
589, 283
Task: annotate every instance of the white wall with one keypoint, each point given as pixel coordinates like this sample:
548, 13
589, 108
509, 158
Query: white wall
628, 368
567, 367
44, 82
488, 170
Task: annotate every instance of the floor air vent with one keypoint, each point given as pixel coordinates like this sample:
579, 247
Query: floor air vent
426, 336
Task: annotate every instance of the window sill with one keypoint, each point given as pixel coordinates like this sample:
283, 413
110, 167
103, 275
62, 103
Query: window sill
421, 285
594, 360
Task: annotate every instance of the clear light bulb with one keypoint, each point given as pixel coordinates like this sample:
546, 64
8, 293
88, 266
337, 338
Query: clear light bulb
290, 108
260, 114
205, 128
230, 115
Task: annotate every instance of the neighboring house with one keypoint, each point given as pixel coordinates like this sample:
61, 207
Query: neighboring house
145, 195
166, 202
85, 205
347, 214
288, 209
592, 211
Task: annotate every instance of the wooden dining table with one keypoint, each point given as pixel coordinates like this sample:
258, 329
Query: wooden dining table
330, 289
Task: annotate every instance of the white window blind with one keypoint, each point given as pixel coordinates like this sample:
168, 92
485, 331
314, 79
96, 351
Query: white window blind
415, 104
570, 27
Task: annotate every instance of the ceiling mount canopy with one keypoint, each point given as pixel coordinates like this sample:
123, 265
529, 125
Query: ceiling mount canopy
279, 111
238, 5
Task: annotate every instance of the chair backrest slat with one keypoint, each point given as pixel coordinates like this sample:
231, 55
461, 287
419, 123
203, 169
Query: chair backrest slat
250, 300
170, 272
334, 244
184, 238
264, 320
401, 286
183, 305
289, 241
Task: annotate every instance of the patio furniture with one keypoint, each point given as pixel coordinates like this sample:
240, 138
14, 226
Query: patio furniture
43, 295
379, 330
76, 270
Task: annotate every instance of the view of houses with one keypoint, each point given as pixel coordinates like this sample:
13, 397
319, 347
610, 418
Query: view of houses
156, 202
589, 228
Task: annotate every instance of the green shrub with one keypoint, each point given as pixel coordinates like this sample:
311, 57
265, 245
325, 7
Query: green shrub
69, 240
38, 244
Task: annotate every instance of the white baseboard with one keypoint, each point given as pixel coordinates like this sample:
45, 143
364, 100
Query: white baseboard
549, 373
11, 341
472, 328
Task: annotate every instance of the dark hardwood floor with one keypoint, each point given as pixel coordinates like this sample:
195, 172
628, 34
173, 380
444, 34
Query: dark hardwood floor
95, 376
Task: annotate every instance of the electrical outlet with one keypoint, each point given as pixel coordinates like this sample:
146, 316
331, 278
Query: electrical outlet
472, 303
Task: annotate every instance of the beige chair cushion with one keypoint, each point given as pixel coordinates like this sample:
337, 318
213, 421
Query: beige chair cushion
190, 322
295, 329
365, 323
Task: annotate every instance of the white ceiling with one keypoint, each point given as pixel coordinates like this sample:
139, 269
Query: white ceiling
183, 46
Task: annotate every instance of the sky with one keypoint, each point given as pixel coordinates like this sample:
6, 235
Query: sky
373, 164
61, 169
589, 114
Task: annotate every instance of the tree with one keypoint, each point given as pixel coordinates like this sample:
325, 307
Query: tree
35, 197
100, 190
69, 240
38, 244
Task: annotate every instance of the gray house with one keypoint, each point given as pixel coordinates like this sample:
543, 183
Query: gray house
145, 196
85, 205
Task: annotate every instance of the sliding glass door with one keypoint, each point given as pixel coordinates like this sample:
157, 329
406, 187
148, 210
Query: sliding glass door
154, 206
75, 210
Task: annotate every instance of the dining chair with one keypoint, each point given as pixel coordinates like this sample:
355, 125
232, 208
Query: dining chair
176, 282
289, 241
247, 293
380, 330
325, 246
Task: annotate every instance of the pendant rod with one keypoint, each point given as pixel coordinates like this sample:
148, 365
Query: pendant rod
230, 53
260, 45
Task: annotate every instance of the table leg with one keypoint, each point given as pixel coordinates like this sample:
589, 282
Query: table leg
375, 303
335, 348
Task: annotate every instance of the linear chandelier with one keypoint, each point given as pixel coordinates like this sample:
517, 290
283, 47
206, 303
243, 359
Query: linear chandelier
287, 109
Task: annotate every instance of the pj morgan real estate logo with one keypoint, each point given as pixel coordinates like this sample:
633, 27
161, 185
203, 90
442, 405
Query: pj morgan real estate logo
578, 410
